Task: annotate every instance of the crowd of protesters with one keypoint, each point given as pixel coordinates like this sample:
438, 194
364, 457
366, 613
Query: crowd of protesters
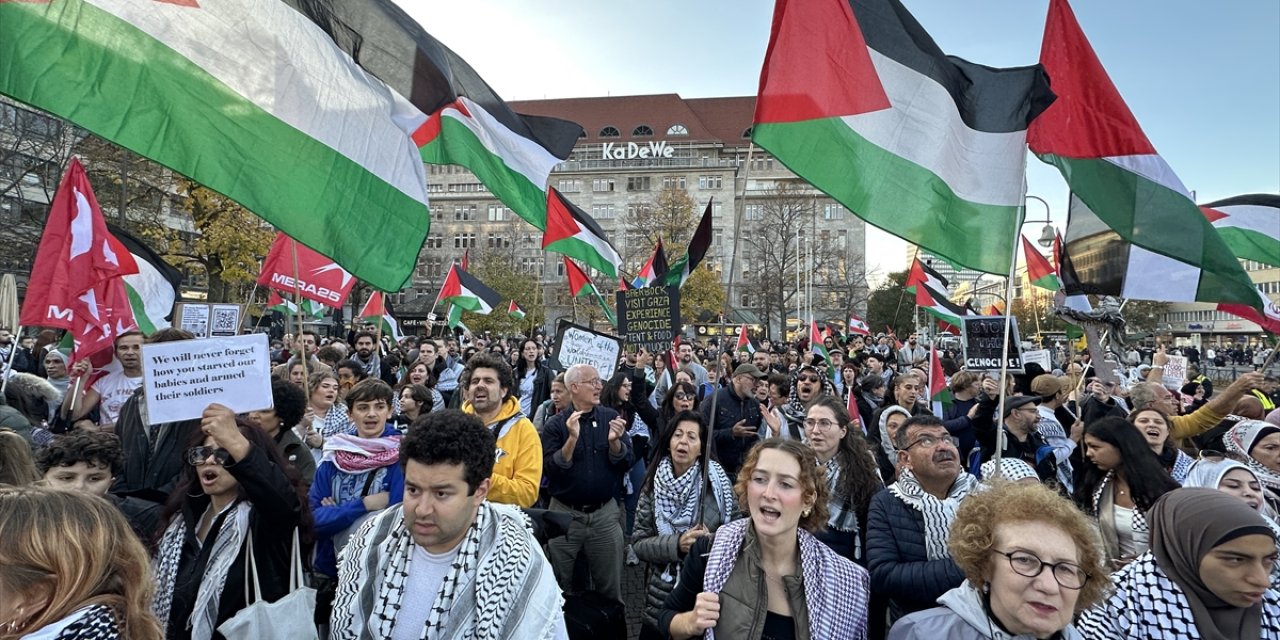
468, 487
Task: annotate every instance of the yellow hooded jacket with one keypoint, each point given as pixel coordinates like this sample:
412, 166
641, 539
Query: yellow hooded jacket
518, 468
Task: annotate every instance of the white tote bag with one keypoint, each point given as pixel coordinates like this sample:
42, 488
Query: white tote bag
292, 616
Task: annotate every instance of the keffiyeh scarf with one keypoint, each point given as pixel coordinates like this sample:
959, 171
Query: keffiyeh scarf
1104, 510
842, 515
353, 454
1240, 439
95, 622
226, 548
835, 590
676, 499
373, 367
938, 514
498, 587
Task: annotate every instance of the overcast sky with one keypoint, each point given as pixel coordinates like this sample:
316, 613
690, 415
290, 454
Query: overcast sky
1203, 78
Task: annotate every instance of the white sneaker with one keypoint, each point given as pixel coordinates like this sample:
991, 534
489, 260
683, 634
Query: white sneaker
632, 559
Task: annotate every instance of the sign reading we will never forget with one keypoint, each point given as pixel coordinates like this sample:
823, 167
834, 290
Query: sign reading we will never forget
649, 317
182, 378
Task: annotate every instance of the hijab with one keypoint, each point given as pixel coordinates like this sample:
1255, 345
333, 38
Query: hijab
60, 383
1242, 438
1207, 474
1185, 526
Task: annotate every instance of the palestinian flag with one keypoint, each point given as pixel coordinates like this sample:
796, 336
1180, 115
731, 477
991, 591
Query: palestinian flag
679, 271
933, 293
275, 116
465, 291
153, 289
858, 100
897, 344
994, 309
375, 312
1160, 246
939, 393
1039, 271
1072, 294
815, 342
515, 311
287, 307
580, 284
656, 264
744, 343
1250, 225
573, 233
857, 326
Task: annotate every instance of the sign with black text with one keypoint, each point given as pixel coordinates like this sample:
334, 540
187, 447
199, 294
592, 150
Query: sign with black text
182, 378
649, 317
982, 346
576, 344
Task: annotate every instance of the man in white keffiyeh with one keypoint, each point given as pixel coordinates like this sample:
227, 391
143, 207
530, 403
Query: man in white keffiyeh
447, 563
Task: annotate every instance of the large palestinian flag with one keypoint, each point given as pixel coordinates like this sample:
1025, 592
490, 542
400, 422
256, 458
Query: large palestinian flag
247, 97
1142, 210
857, 99
571, 232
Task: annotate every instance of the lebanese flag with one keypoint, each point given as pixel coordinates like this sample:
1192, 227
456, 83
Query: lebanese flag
1249, 224
319, 278
858, 326
1039, 271
247, 97
1170, 250
573, 233
744, 343
465, 291
857, 99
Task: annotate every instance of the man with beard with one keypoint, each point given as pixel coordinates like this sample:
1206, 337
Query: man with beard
736, 423
908, 522
307, 343
517, 469
686, 360
809, 384
912, 354
447, 562
1021, 440
874, 362
367, 357
109, 392
762, 361
586, 452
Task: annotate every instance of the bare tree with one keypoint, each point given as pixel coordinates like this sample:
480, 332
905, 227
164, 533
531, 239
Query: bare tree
670, 217
34, 150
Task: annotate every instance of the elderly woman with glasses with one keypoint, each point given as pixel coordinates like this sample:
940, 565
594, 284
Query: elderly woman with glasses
1031, 563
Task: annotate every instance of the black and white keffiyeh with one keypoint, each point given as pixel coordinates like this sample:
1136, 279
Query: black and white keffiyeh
499, 586
675, 500
1104, 511
842, 517
226, 548
95, 622
938, 514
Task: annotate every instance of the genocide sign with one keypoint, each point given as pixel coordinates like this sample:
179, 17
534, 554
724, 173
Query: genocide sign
982, 347
649, 318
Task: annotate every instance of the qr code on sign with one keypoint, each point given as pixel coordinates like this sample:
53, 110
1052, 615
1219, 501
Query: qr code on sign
224, 321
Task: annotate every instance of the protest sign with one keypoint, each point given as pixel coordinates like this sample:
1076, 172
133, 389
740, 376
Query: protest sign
224, 320
1175, 373
181, 378
982, 346
576, 344
649, 317
193, 317
1041, 357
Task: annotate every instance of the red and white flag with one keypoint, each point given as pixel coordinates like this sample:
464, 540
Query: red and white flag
857, 326
310, 274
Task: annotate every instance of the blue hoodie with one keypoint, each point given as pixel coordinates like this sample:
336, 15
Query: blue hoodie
349, 487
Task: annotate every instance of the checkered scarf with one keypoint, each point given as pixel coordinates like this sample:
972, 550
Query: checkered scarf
226, 548
835, 590
842, 515
676, 499
938, 514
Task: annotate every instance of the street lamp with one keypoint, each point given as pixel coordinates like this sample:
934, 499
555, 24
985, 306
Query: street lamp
1047, 235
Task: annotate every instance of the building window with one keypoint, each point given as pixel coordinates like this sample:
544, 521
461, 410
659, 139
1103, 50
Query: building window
602, 211
746, 300
638, 183
531, 265
832, 211
715, 209
677, 130
568, 185
497, 213
753, 212
710, 182
670, 182
609, 132
435, 187
464, 241
642, 131
746, 133
435, 242
499, 241
560, 268
466, 187
464, 213
602, 184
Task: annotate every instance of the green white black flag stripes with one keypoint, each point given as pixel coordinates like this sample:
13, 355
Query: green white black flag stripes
247, 97
857, 99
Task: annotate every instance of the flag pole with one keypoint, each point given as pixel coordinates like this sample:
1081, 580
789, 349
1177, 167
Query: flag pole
1008, 321
706, 449
13, 354
297, 309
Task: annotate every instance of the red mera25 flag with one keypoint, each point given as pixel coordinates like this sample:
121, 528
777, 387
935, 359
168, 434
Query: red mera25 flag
318, 278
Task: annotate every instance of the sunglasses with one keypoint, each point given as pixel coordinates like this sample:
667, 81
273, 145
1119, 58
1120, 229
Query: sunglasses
684, 396
809, 379
197, 455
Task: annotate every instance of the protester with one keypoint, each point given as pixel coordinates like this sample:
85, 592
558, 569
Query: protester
632, 405
1031, 563
55, 371
1234, 478
888, 421
415, 401
1056, 433
1021, 440
851, 475
735, 425
1207, 575
108, 393
871, 392
324, 416
88, 462
70, 568
555, 404
236, 487
766, 575
908, 522
679, 504
1258, 445
1153, 424
518, 467
288, 405
685, 351
808, 383
1147, 394
420, 373
532, 377
16, 466
966, 410
307, 344
1121, 479
681, 396
447, 563
371, 362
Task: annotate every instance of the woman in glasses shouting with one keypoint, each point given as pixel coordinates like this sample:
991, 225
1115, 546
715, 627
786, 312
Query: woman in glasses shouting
1031, 562
235, 486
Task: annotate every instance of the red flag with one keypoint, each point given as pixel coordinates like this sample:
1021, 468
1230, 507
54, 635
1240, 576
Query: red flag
77, 254
622, 284
466, 260
852, 407
319, 278
897, 344
104, 314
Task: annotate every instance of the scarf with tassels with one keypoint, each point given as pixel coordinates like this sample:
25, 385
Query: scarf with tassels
676, 499
938, 514
353, 454
226, 548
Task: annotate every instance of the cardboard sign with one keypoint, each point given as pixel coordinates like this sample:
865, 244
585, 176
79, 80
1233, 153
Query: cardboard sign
982, 345
576, 344
649, 318
1042, 357
182, 378
1175, 373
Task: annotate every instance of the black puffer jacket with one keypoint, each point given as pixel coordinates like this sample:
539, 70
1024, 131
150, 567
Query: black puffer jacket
900, 568
150, 472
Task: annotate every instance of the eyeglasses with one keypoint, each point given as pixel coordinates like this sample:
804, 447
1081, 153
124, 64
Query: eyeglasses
197, 455
809, 379
930, 442
684, 396
821, 424
1218, 456
595, 382
1027, 565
